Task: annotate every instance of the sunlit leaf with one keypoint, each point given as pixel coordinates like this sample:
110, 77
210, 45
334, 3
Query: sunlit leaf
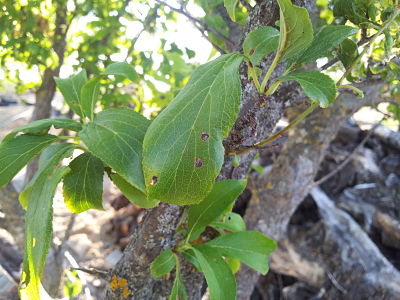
17, 152
296, 31
116, 137
182, 149
316, 85
83, 185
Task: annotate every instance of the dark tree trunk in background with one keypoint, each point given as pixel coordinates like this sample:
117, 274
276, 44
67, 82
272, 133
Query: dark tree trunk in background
45, 93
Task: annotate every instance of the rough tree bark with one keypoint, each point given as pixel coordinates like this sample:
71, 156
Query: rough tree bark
277, 194
257, 118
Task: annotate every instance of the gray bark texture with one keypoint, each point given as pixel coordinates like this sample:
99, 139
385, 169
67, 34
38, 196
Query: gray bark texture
257, 118
275, 196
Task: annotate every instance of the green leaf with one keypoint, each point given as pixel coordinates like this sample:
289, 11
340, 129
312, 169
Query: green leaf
49, 159
316, 85
219, 277
296, 31
178, 291
83, 185
38, 231
347, 52
230, 6
223, 194
123, 69
17, 152
329, 37
233, 263
190, 257
89, 96
116, 137
232, 222
163, 264
41, 127
131, 193
388, 44
350, 10
250, 247
182, 149
260, 42
71, 89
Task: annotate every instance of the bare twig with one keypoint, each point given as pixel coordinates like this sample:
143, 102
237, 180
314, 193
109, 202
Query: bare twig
220, 50
349, 158
94, 272
199, 22
336, 283
134, 40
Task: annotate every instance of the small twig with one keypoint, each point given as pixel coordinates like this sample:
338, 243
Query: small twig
348, 159
277, 135
134, 40
335, 60
68, 231
202, 31
336, 283
366, 48
96, 273
200, 22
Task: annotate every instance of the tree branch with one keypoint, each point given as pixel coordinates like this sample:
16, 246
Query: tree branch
205, 26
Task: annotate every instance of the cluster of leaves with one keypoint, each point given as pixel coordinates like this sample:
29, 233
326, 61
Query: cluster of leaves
175, 158
219, 258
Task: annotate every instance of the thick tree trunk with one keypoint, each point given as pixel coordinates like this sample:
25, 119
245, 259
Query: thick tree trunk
251, 126
13, 220
45, 93
277, 194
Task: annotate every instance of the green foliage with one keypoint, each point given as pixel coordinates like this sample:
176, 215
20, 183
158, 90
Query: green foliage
296, 31
230, 6
326, 39
201, 116
260, 42
347, 52
38, 231
316, 85
232, 222
134, 195
178, 291
221, 197
49, 159
122, 69
116, 136
17, 152
163, 264
250, 247
41, 127
90, 95
71, 90
177, 157
219, 277
83, 185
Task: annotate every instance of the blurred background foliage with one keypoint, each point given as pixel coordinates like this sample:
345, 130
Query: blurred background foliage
164, 41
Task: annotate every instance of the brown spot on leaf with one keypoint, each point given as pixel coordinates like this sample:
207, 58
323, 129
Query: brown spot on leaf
205, 136
251, 51
198, 162
154, 180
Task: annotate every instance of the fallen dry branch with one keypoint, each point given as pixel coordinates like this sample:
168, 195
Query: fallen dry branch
352, 257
